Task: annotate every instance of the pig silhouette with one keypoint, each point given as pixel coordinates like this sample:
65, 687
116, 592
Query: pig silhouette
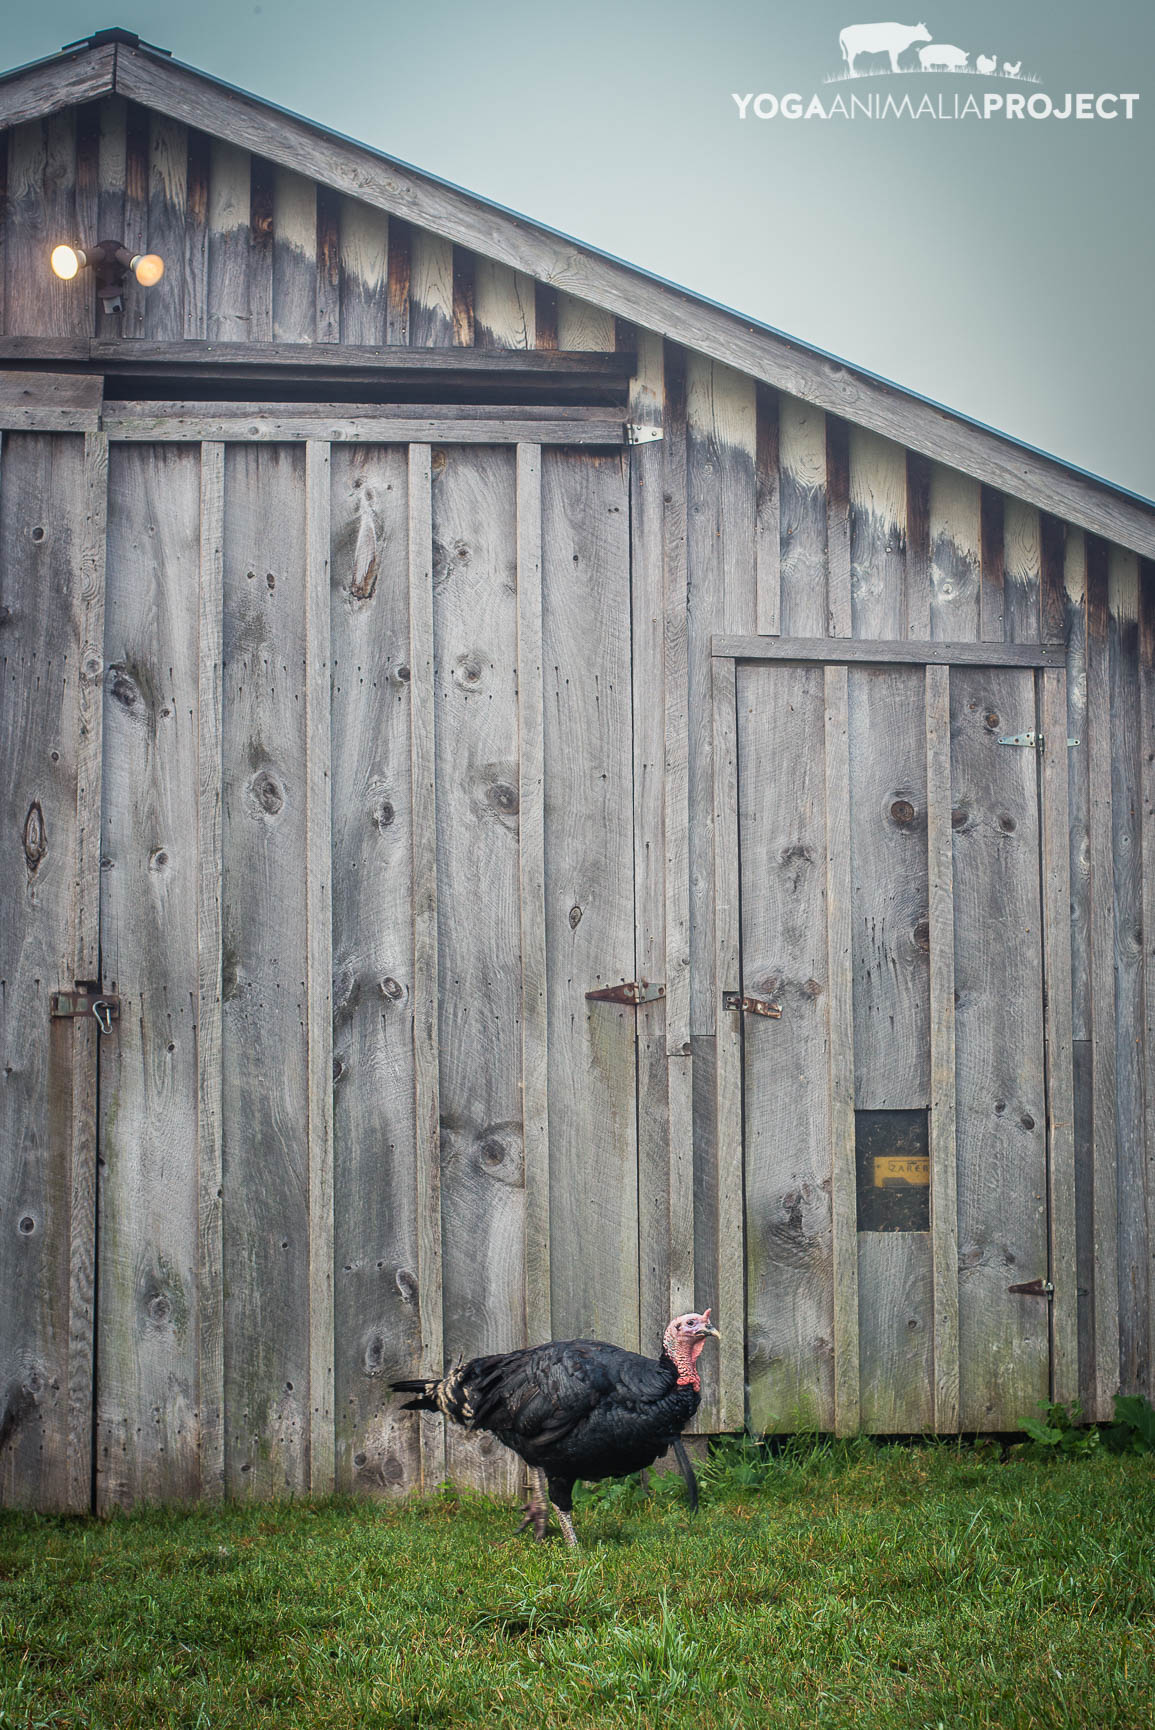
940, 56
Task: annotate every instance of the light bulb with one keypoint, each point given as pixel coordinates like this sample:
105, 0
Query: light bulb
67, 260
148, 268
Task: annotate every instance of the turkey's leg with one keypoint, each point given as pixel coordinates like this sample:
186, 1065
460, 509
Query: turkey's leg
536, 1509
566, 1522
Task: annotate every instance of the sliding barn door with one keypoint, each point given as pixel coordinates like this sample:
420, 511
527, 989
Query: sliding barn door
900, 907
367, 844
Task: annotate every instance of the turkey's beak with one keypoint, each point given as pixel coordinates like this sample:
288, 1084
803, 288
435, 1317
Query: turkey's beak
709, 1329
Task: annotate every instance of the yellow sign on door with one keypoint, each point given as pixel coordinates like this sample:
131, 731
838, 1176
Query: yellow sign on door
891, 1169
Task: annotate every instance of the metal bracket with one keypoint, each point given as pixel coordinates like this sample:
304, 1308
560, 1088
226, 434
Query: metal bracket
87, 999
633, 991
642, 435
753, 1005
1035, 1288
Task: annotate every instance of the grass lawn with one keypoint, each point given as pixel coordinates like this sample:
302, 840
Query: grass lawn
858, 1584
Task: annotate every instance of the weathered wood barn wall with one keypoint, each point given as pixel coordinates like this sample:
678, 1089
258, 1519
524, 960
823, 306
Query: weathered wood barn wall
368, 700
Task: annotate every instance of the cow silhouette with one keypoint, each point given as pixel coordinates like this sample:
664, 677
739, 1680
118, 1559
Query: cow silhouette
892, 39
943, 57
1012, 71
987, 63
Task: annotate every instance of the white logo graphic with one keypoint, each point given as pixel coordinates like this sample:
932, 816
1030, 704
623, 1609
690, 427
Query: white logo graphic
892, 39
908, 52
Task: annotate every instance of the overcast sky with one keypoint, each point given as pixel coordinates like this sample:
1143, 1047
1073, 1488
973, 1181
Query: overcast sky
1005, 268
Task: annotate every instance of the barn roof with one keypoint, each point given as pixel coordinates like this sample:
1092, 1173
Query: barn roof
116, 61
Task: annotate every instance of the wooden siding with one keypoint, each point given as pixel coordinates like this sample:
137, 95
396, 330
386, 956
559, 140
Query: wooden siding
509, 626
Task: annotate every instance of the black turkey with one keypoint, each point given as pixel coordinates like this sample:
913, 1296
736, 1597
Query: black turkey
577, 1409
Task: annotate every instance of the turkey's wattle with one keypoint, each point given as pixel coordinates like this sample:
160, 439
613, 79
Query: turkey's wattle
578, 1409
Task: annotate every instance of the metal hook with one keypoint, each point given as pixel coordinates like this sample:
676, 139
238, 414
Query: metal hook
103, 1013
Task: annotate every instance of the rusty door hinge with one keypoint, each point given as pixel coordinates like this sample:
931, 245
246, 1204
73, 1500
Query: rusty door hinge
752, 1005
86, 998
633, 991
1034, 1288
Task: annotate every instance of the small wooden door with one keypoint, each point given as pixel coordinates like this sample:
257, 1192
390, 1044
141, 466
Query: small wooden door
906, 1102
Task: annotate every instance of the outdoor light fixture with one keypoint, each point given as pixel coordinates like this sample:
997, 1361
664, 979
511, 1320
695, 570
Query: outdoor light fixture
111, 263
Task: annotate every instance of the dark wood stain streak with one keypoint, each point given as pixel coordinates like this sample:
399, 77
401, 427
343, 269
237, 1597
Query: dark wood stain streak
328, 265
838, 526
462, 297
196, 253
1052, 543
1084, 1219
993, 629
397, 326
261, 243
546, 315
3, 225
917, 546
768, 519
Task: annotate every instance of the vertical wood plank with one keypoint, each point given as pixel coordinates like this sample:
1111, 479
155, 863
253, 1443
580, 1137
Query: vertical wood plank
365, 277
294, 257
676, 693
463, 270
89, 763
955, 555
210, 1345
992, 560
918, 471
1126, 853
1147, 775
663, 1269
1023, 572
582, 326
482, 1157
265, 1059
889, 948
148, 1253
1060, 1079
838, 526
1103, 1031
721, 438
378, 1296
41, 213
319, 964
802, 458
531, 891
789, 1257
768, 516
230, 198
196, 237
545, 315
329, 265
400, 265
1004, 1342
1053, 601
162, 309
44, 568
135, 214
943, 1152
840, 1048
589, 894
729, 1413
505, 307
425, 1020
878, 515
262, 248
111, 181
430, 290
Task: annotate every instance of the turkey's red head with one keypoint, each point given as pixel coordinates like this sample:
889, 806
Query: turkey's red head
683, 1342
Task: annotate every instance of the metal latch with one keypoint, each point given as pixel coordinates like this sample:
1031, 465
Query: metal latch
1035, 1288
1033, 741
753, 1005
86, 998
633, 991
642, 435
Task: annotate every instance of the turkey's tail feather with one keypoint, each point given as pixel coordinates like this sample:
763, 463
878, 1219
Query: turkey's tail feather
447, 1395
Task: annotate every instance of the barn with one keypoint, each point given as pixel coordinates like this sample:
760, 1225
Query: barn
530, 802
